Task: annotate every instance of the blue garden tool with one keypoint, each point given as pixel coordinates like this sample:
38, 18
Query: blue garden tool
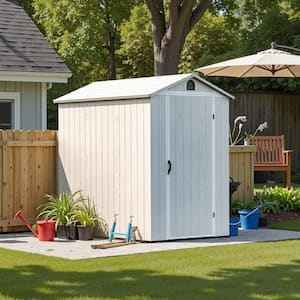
127, 235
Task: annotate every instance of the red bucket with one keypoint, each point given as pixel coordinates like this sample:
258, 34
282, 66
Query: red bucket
46, 230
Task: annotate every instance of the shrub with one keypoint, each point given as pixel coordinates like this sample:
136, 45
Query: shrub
237, 205
281, 198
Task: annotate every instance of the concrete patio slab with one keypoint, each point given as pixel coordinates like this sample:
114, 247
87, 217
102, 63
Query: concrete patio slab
82, 249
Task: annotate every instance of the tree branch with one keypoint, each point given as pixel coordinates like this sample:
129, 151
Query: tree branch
173, 12
199, 11
158, 20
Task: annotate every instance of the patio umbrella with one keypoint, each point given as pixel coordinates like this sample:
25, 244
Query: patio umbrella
268, 63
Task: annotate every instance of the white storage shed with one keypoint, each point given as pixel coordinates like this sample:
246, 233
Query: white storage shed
155, 148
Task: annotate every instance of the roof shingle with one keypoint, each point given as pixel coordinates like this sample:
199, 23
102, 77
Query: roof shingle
23, 48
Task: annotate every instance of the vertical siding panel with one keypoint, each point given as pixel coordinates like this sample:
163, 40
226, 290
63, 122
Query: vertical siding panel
140, 201
222, 161
98, 149
128, 158
158, 168
123, 169
110, 159
146, 148
134, 155
116, 156
105, 178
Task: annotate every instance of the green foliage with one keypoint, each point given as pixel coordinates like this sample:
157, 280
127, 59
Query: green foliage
86, 214
199, 42
81, 32
136, 50
281, 199
61, 208
77, 31
237, 205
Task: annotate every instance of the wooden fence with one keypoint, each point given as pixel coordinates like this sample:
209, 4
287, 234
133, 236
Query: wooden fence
281, 111
27, 172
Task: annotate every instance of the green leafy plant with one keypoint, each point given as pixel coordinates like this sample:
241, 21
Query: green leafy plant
281, 199
61, 208
86, 214
237, 205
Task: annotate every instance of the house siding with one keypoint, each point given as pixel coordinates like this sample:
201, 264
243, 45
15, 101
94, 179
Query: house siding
31, 116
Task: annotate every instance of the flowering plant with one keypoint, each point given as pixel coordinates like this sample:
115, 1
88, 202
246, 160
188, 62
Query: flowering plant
237, 134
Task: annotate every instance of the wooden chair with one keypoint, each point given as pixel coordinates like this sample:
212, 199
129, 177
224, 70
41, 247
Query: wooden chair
271, 155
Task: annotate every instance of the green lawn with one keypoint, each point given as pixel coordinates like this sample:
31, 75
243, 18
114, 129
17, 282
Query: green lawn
293, 225
252, 271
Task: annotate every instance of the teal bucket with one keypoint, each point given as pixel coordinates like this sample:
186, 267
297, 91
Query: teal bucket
234, 226
249, 218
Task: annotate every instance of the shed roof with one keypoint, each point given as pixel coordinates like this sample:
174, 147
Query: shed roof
23, 48
134, 88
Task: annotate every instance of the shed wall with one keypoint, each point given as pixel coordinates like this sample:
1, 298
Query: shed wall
33, 110
199, 87
158, 168
221, 167
200, 165
104, 150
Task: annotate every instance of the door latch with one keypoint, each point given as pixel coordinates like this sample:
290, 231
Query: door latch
169, 167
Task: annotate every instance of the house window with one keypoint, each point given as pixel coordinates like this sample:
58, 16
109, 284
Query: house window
6, 114
190, 86
10, 106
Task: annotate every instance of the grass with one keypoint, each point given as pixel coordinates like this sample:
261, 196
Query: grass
253, 271
293, 225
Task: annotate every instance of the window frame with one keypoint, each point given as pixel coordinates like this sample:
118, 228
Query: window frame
16, 107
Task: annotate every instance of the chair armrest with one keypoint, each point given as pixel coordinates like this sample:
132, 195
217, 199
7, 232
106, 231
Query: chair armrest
287, 155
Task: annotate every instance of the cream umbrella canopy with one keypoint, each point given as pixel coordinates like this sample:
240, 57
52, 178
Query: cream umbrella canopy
267, 63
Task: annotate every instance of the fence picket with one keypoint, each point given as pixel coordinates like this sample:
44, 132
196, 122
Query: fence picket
27, 172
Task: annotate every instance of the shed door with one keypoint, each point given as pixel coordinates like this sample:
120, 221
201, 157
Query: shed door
190, 150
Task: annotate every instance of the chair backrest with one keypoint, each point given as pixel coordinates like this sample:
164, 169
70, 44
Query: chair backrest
269, 149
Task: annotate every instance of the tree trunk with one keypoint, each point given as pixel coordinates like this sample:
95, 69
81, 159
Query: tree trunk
169, 34
112, 57
166, 59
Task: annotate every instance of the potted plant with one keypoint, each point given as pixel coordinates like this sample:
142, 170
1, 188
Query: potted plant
86, 217
236, 134
62, 209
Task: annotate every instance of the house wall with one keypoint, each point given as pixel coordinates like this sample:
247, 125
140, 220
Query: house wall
104, 150
33, 102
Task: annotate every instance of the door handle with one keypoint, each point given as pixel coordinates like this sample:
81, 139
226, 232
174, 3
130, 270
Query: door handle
169, 167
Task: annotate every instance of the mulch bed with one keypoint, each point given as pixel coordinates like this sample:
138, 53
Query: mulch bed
282, 216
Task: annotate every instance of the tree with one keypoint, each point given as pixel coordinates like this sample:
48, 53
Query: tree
113, 13
200, 45
85, 33
136, 49
171, 24
169, 35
